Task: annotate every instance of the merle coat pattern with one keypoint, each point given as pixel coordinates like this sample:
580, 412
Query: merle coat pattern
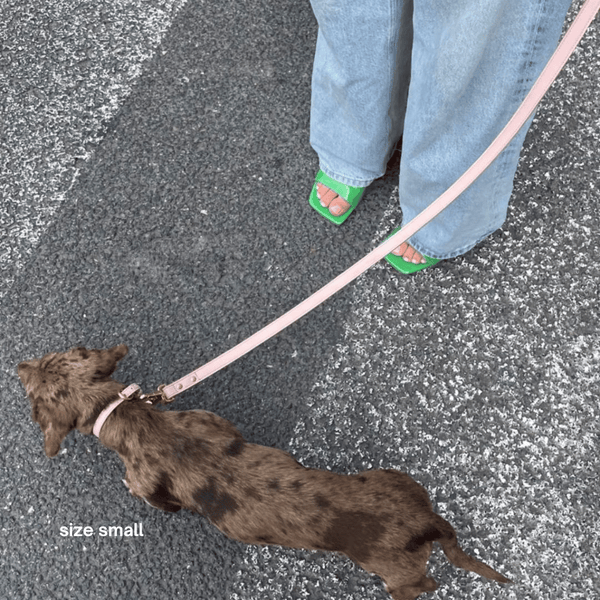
383, 520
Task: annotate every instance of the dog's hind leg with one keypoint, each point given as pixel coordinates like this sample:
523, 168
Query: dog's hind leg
406, 578
409, 590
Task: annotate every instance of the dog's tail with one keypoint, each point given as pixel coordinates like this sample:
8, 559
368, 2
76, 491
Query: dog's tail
457, 556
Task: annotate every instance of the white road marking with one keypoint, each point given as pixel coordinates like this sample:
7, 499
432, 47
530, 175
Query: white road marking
64, 73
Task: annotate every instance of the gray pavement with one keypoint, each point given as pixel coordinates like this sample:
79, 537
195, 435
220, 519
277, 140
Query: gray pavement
156, 167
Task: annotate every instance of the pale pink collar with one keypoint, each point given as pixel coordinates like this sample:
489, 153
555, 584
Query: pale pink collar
123, 395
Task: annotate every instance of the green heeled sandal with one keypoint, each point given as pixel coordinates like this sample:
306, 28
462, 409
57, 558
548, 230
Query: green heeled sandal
406, 267
350, 194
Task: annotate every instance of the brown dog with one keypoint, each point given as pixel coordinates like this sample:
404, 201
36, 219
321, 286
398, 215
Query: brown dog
382, 520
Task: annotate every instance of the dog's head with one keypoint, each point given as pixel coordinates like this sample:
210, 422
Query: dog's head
67, 390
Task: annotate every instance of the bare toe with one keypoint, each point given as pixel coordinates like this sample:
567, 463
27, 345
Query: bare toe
338, 207
416, 258
409, 254
401, 249
325, 195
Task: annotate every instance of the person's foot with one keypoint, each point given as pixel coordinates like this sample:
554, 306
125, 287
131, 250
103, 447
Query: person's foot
338, 206
409, 254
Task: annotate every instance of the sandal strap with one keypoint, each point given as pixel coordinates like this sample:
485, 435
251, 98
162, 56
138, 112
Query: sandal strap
351, 194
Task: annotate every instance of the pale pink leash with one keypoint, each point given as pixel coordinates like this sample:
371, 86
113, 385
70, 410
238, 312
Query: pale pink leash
540, 87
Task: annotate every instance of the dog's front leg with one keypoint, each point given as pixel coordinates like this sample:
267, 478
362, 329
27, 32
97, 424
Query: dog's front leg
130, 487
160, 497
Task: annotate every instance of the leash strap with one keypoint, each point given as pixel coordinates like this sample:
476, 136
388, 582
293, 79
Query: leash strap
540, 87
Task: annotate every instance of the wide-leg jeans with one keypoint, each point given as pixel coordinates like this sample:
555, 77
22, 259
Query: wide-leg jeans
443, 75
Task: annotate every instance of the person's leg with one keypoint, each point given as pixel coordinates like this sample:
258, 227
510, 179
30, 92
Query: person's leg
359, 88
473, 62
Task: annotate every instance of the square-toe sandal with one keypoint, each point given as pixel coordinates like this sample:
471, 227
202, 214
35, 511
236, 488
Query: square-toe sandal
350, 194
406, 267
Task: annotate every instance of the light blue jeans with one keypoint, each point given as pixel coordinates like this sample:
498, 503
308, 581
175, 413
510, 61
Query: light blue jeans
445, 75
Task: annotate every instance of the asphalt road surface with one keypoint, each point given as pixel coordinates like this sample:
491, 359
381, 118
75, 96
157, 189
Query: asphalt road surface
155, 169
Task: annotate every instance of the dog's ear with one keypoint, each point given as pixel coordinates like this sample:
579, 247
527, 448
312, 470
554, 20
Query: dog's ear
47, 388
106, 360
24, 367
54, 434
55, 424
25, 370
119, 352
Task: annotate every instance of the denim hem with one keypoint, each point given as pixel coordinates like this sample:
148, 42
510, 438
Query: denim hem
346, 180
462, 250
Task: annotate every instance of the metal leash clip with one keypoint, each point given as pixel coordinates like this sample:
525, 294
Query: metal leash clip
134, 389
157, 397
